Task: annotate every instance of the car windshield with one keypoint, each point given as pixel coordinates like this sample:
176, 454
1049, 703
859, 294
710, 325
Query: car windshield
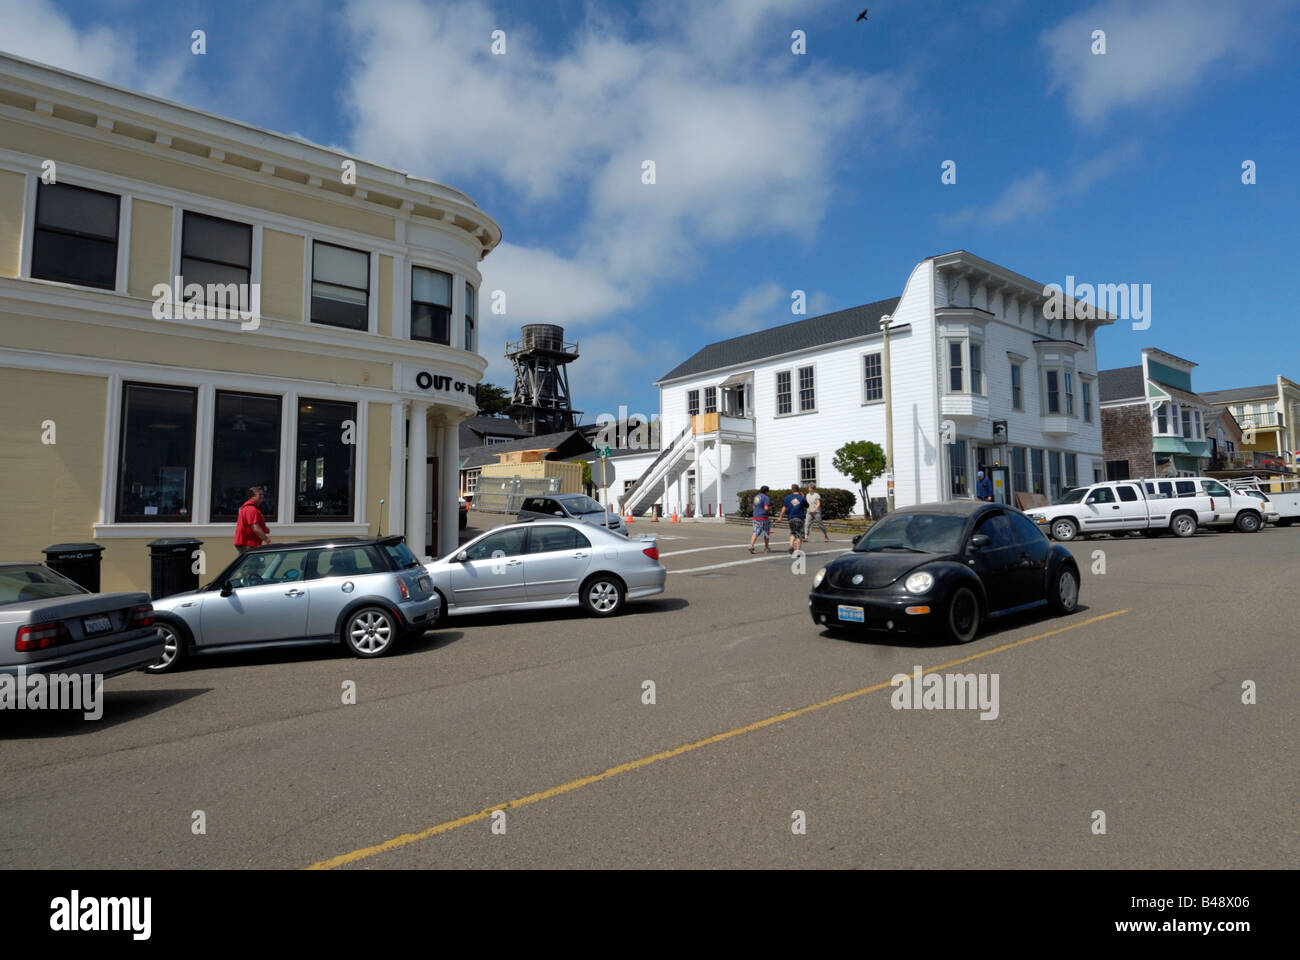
34, 582
401, 555
1072, 496
582, 505
916, 532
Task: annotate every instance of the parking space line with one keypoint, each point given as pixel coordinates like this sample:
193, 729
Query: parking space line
406, 839
720, 546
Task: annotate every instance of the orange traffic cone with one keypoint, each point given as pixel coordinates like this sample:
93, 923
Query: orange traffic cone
629, 518
675, 518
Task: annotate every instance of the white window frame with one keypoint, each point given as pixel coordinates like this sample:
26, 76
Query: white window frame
776, 394
1017, 374
963, 344
880, 357
799, 388
798, 469
693, 399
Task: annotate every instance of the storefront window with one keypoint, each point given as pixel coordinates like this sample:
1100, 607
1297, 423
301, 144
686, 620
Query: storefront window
430, 305
326, 460
959, 487
155, 479
245, 452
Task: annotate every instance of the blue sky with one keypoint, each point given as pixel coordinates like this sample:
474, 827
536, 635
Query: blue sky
778, 171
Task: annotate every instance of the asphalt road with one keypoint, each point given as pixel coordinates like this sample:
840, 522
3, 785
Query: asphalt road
1132, 706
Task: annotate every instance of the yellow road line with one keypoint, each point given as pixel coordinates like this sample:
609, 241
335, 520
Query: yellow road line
409, 838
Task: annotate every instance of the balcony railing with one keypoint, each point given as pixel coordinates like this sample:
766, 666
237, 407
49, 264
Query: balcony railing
1258, 420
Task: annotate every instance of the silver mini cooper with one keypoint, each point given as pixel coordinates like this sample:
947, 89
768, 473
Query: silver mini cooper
363, 593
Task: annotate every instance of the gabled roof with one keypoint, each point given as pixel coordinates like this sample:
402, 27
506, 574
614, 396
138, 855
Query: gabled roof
565, 446
787, 338
473, 429
1237, 394
1120, 383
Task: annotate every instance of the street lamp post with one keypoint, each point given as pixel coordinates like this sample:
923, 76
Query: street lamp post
889, 418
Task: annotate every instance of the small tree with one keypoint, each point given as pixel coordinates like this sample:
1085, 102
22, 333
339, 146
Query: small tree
862, 462
492, 400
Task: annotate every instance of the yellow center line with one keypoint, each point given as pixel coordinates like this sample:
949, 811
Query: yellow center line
409, 838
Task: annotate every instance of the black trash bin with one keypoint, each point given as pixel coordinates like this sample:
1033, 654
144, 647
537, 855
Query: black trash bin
79, 562
171, 566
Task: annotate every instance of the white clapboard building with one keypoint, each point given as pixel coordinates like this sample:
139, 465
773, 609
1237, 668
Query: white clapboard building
980, 355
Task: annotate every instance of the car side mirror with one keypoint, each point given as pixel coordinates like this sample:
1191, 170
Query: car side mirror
559, 513
227, 589
462, 557
856, 538
980, 540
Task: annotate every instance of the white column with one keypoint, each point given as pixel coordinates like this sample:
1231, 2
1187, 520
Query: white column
449, 498
717, 450
699, 475
667, 511
392, 515
417, 453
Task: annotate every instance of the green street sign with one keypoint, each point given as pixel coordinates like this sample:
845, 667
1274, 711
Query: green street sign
604, 452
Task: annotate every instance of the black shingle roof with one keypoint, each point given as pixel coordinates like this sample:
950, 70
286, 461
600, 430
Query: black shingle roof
787, 338
1237, 394
1121, 383
474, 429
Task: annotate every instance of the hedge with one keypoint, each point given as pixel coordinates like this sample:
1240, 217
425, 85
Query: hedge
836, 504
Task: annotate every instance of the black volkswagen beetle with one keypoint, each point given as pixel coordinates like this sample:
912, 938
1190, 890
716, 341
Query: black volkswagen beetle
944, 568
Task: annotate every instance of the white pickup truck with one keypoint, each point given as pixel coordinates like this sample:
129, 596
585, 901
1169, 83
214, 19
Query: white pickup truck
1285, 505
1228, 509
1119, 506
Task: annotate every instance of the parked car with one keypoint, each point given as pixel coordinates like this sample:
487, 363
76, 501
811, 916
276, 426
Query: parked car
571, 506
49, 624
1118, 507
1228, 510
548, 563
944, 568
362, 592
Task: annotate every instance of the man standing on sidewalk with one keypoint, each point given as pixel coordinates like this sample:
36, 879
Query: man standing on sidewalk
983, 487
762, 522
815, 512
797, 506
250, 528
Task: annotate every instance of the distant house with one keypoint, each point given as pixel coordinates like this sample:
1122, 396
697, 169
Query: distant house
1154, 425
483, 430
1267, 415
551, 447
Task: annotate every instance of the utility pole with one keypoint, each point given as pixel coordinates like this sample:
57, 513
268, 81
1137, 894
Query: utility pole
889, 418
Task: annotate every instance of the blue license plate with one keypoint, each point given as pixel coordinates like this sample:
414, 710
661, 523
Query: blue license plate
850, 614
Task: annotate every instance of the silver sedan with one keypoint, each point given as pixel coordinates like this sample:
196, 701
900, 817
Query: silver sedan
548, 563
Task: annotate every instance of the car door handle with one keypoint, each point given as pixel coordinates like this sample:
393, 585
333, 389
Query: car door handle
580, 554
513, 563
295, 592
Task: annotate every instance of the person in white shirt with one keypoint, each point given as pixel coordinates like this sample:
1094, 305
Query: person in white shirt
815, 512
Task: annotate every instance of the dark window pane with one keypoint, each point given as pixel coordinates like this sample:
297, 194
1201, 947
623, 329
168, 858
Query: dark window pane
69, 259
77, 210
998, 529
430, 322
155, 475
209, 238
326, 464
339, 313
245, 452
230, 279
546, 539
507, 543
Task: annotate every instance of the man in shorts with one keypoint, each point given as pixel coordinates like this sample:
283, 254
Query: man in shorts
762, 522
815, 512
797, 506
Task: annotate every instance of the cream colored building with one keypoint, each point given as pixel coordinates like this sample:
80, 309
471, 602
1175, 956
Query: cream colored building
122, 421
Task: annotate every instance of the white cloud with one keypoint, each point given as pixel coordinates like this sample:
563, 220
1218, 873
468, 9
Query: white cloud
1036, 193
745, 143
1154, 50
767, 305
38, 30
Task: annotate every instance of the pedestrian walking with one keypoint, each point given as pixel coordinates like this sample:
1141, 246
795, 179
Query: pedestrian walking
762, 520
815, 512
250, 527
983, 487
797, 506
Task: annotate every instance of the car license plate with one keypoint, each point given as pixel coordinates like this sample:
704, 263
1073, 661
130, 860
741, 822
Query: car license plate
424, 583
94, 625
850, 614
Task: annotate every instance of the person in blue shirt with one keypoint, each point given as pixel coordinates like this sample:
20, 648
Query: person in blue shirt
762, 522
983, 487
796, 504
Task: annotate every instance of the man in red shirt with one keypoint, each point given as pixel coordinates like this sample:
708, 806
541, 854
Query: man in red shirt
250, 528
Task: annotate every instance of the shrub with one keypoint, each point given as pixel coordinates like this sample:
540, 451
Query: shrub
836, 503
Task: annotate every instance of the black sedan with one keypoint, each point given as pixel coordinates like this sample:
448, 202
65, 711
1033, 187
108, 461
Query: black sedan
944, 568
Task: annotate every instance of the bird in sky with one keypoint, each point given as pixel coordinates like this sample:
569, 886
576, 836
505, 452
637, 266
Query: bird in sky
863, 15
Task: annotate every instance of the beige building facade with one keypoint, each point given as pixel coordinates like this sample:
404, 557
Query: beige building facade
190, 306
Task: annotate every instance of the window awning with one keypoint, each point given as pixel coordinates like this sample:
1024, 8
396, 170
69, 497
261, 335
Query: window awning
1168, 445
736, 379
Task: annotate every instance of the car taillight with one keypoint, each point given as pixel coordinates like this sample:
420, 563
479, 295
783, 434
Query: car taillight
1211, 503
38, 636
401, 585
651, 552
141, 616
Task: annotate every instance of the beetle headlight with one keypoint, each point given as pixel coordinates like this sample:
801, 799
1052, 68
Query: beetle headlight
819, 577
919, 583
